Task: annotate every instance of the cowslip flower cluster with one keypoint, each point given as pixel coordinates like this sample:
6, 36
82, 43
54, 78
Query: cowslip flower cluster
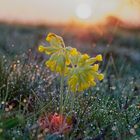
80, 70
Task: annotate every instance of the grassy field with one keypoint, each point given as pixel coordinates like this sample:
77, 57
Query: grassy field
29, 92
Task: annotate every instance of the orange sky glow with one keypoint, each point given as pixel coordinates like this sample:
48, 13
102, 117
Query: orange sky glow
62, 11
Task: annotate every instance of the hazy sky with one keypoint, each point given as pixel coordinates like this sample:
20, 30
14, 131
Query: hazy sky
66, 10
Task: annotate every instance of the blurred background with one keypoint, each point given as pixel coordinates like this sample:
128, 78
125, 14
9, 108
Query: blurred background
110, 27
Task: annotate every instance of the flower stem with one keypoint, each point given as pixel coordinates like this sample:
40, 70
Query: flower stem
72, 101
61, 94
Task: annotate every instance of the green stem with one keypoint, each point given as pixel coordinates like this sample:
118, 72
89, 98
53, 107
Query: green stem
67, 97
72, 100
61, 94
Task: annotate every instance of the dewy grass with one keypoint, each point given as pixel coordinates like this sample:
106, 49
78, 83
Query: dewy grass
31, 110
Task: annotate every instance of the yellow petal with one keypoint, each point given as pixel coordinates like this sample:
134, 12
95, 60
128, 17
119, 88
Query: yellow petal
95, 67
99, 57
67, 62
50, 64
100, 76
73, 51
93, 83
41, 48
50, 36
85, 56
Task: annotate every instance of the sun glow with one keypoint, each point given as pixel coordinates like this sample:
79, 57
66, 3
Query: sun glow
96, 11
62, 11
83, 11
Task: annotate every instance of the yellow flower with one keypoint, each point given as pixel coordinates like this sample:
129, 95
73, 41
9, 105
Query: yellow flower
100, 76
73, 52
85, 56
95, 67
94, 59
61, 56
41, 48
51, 64
73, 82
49, 50
50, 36
83, 59
80, 70
99, 57
83, 74
71, 55
55, 40
81, 78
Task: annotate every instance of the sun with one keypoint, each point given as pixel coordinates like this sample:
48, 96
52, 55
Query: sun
83, 11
